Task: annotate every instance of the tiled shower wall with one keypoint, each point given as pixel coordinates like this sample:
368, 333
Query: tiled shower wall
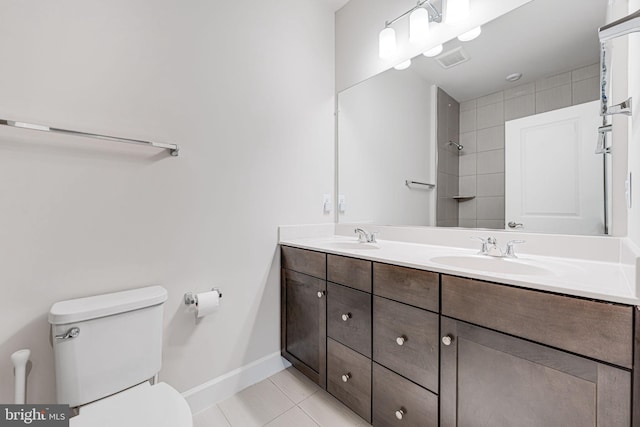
448, 177
481, 168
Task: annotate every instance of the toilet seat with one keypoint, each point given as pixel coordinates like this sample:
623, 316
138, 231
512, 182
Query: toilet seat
144, 405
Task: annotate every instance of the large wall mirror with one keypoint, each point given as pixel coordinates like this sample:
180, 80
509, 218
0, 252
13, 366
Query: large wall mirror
499, 132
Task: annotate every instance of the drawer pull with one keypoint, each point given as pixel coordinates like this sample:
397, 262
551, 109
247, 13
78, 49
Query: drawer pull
447, 340
346, 316
346, 377
400, 413
321, 294
401, 340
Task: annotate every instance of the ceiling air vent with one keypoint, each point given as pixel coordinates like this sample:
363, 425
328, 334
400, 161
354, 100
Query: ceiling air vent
452, 58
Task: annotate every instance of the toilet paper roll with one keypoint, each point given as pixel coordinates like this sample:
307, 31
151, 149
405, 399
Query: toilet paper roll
207, 303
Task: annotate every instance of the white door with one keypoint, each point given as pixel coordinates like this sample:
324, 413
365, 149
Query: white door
553, 180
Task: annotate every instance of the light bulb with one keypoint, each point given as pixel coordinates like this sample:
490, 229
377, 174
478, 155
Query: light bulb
419, 26
403, 65
387, 47
470, 35
433, 51
457, 10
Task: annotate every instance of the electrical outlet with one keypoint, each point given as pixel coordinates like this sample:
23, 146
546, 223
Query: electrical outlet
326, 203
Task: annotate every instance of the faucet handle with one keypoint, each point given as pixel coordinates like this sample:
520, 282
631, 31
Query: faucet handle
510, 252
372, 237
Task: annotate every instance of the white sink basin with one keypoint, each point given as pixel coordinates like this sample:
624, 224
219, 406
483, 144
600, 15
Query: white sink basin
353, 245
493, 265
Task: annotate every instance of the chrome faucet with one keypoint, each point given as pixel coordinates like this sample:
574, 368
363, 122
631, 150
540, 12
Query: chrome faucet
364, 237
490, 248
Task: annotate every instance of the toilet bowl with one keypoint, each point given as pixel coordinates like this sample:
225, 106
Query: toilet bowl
159, 405
106, 350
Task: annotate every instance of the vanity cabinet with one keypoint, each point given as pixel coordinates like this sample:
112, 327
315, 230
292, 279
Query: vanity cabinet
489, 379
493, 374
403, 346
303, 308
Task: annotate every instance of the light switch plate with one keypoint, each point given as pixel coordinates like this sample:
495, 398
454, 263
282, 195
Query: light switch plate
342, 204
326, 203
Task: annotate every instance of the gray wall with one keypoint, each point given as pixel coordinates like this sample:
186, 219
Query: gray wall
482, 135
447, 130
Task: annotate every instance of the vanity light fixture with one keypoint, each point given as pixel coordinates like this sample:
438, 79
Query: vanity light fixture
387, 45
419, 18
433, 51
470, 35
419, 26
457, 10
403, 65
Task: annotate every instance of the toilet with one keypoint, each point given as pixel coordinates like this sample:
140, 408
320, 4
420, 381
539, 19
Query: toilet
107, 348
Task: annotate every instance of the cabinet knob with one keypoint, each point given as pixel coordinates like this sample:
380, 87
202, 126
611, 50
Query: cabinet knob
400, 413
447, 340
401, 340
346, 316
346, 377
321, 294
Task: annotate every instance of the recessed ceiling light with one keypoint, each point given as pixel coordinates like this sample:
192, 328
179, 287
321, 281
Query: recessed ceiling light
513, 77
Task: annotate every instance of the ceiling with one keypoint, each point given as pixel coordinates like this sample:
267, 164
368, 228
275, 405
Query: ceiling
539, 39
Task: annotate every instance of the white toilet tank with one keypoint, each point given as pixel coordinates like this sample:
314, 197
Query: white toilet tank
106, 343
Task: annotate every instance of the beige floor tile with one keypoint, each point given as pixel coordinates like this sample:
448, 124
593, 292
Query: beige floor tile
210, 417
255, 406
329, 412
294, 417
294, 384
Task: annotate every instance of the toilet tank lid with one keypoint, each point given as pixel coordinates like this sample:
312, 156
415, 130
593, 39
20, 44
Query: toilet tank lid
79, 309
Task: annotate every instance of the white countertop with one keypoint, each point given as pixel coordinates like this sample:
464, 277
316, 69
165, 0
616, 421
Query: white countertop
584, 278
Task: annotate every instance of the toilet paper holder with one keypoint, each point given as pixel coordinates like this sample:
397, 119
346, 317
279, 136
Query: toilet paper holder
190, 298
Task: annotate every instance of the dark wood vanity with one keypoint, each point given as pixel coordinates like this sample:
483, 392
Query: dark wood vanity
401, 346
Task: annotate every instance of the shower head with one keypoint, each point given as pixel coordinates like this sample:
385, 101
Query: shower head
458, 146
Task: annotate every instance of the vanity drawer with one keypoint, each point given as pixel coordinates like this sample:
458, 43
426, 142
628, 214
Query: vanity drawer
355, 273
349, 378
392, 393
600, 330
407, 285
349, 317
304, 261
407, 340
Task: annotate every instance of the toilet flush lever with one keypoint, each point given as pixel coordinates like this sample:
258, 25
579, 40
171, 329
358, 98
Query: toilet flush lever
70, 334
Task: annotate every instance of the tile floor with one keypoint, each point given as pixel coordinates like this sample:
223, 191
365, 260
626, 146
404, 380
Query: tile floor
286, 399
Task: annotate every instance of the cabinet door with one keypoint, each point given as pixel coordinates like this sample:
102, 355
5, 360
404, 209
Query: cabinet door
304, 324
496, 380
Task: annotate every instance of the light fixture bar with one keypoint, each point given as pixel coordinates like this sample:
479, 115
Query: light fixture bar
435, 16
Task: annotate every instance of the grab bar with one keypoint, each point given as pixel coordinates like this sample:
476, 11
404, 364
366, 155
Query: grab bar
409, 183
174, 149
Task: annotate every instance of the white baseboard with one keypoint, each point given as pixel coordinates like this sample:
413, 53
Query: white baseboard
201, 397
